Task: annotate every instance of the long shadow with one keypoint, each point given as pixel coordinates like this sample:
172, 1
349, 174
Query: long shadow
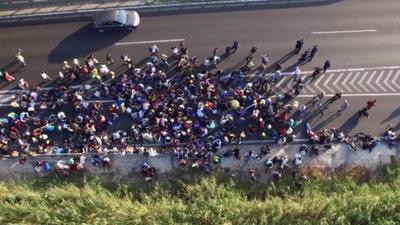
280, 61
394, 114
349, 124
83, 42
326, 121
235, 67
9, 65
292, 67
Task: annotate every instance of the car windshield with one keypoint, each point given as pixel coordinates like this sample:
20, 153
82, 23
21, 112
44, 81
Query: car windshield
121, 16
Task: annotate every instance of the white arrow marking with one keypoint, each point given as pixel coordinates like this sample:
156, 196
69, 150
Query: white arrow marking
361, 80
5, 98
395, 79
344, 83
327, 81
353, 95
308, 87
354, 79
378, 79
386, 81
280, 81
317, 82
337, 79
369, 81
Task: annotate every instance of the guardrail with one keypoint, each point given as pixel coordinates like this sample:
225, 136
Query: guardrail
19, 3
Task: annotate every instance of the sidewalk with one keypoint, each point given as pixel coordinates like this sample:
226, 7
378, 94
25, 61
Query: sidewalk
127, 167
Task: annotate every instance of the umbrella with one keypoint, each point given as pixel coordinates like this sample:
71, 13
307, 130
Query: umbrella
235, 104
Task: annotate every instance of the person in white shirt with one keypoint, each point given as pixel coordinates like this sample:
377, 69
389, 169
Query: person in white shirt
45, 77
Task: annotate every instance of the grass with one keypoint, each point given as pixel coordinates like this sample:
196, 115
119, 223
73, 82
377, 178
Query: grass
214, 199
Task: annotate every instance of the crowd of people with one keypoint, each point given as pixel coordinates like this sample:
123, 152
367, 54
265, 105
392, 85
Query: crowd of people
172, 100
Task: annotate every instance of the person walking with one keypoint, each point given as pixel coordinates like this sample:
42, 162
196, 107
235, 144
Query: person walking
277, 76
317, 99
296, 74
299, 45
109, 59
215, 52
343, 107
235, 46
253, 50
45, 77
264, 59
327, 65
313, 52
334, 98
20, 58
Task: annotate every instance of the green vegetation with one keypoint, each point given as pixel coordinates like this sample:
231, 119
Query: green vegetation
213, 199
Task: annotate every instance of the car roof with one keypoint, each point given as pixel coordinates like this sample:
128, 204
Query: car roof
111, 15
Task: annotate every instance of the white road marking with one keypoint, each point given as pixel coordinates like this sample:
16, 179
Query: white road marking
306, 1
337, 79
344, 70
345, 81
281, 81
5, 98
343, 31
354, 95
277, 3
327, 81
369, 81
317, 82
354, 79
149, 42
386, 81
361, 80
378, 79
395, 79
308, 87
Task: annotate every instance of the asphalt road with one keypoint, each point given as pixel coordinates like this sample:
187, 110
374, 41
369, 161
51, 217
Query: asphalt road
370, 41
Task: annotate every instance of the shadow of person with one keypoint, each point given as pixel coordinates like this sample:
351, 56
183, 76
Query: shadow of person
394, 114
350, 124
9, 65
281, 60
83, 42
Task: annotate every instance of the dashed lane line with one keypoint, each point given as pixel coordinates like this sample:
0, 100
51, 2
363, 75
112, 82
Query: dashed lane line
343, 31
149, 42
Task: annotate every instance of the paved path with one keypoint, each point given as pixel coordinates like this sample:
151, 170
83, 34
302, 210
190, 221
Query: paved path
126, 168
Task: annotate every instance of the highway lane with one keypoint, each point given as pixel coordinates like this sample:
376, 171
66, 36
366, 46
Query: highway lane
272, 30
